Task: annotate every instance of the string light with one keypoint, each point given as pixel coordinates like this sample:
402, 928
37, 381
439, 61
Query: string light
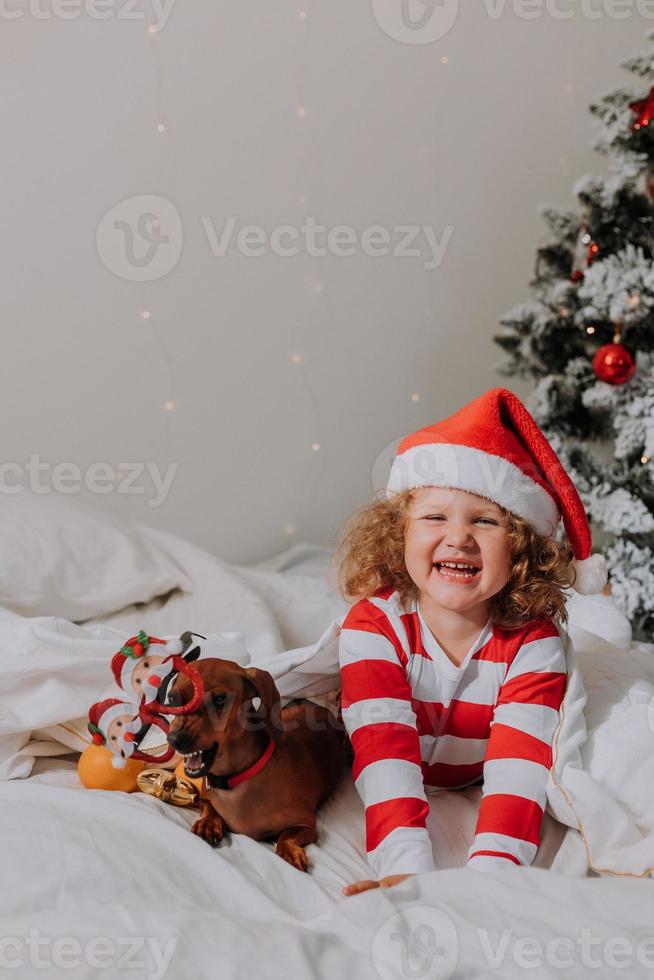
145, 315
644, 459
296, 358
590, 329
445, 60
316, 447
302, 15
301, 112
633, 300
415, 397
564, 311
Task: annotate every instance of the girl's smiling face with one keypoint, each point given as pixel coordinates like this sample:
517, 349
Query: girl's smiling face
457, 527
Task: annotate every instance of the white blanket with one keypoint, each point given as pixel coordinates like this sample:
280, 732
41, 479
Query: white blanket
82, 864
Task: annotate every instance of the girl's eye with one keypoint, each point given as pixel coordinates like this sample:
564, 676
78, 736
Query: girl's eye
487, 520
435, 517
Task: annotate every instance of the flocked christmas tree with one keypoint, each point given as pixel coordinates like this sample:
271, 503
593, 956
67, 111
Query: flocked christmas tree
587, 339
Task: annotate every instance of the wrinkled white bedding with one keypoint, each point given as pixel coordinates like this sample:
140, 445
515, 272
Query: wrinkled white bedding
85, 864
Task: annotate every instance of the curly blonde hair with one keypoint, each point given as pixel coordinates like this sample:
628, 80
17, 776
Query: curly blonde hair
370, 556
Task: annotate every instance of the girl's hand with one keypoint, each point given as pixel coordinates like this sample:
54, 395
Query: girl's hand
364, 886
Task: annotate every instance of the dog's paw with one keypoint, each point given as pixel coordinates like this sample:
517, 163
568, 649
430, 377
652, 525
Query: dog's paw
294, 854
210, 829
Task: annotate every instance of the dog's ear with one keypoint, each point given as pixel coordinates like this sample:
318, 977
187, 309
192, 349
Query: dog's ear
264, 687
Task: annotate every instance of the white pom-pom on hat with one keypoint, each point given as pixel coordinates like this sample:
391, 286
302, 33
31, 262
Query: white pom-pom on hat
591, 574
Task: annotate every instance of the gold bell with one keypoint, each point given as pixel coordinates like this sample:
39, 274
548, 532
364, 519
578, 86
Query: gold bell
168, 787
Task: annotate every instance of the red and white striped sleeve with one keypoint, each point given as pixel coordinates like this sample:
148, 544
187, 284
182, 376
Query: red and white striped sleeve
519, 752
381, 724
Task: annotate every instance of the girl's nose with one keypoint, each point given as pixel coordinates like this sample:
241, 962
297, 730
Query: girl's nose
459, 536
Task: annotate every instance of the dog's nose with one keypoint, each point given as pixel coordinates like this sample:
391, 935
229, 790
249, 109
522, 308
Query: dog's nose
180, 740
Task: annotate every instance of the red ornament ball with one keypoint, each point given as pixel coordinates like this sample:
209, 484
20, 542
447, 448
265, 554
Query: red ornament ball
614, 364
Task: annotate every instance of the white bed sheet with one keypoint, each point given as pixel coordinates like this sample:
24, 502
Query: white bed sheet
84, 864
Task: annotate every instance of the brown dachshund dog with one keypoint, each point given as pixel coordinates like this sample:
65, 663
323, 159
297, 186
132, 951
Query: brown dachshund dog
265, 770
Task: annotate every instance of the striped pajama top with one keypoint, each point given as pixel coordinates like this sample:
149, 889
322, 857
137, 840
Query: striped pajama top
418, 724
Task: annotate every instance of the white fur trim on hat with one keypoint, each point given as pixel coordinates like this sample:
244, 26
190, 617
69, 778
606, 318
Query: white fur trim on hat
478, 472
126, 673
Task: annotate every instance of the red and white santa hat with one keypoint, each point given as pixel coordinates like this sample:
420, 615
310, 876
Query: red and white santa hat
101, 715
494, 448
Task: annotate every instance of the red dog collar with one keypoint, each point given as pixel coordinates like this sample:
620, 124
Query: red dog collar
229, 782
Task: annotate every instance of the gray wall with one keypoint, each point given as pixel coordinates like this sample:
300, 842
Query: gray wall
389, 135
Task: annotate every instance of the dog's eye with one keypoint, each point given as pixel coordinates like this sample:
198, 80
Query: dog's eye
218, 700
173, 700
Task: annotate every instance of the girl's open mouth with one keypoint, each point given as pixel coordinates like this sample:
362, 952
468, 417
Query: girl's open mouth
455, 571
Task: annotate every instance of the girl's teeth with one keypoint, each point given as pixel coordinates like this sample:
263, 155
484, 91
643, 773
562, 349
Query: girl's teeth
455, 570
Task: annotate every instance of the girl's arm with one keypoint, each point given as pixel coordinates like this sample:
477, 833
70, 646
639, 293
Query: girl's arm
519, 752
377, 713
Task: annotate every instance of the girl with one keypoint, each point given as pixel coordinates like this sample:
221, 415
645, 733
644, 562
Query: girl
452, 665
